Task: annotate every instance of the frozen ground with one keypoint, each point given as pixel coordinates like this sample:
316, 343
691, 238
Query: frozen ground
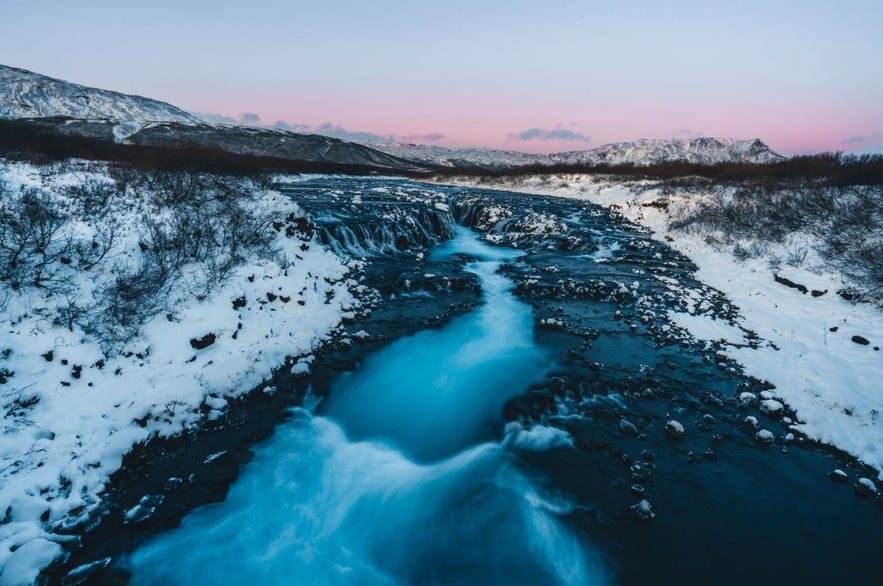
820, 351
73, 403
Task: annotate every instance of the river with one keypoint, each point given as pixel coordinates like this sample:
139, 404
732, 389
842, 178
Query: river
503, 441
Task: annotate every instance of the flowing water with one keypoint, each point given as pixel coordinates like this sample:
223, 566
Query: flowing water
397, 477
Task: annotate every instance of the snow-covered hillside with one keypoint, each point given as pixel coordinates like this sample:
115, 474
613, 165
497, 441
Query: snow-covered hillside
705, 151
134, 306
24, 94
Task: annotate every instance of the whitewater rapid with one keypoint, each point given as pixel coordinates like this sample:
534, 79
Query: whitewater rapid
397, 477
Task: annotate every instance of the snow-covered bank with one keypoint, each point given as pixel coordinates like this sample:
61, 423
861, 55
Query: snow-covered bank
820, 351
74, 401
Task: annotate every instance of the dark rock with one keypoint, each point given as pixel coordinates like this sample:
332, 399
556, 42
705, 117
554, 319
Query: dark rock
838, 476
792, 284
865, 487
860, 340
627, 427
203, 342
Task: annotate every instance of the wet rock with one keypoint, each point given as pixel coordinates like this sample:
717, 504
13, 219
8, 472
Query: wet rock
143, 510
172, 484
674, 429
627, 427
642, 470
838, 475
86, 572
709, 419
637, 489
865, 487
643, 510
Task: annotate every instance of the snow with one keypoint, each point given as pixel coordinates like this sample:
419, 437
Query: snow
24, 94
65, 430
765, 436
24, 564
829, 381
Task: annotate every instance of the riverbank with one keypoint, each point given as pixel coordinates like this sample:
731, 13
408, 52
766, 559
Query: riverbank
819, 351
106, 344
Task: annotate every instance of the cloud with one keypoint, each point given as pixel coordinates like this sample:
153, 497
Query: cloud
863, 139
686, 133
327, 129
337, 131
431, 137
250, 119
292, 127
545, 134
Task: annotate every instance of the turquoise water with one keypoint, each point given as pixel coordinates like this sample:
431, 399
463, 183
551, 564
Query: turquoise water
397, 479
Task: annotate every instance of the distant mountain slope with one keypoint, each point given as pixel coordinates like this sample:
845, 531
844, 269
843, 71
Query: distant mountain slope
268, 143
706, 151
24, 94
642, 152
462, 158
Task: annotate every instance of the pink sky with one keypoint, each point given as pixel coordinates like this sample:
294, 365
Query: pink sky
802, 77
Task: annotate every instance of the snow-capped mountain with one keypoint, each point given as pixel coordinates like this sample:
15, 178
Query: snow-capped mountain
642, 152
25, 94
469, 157
707, 151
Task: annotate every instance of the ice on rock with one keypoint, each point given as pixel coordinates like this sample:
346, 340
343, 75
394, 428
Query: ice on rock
771, 407
751, 420
643, 510
144, 509
674, 429
81, 574
300, 369
838, 475
866, 487
764, 436
747, 398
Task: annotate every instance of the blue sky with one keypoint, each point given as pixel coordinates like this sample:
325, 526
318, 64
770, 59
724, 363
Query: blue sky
538, 76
